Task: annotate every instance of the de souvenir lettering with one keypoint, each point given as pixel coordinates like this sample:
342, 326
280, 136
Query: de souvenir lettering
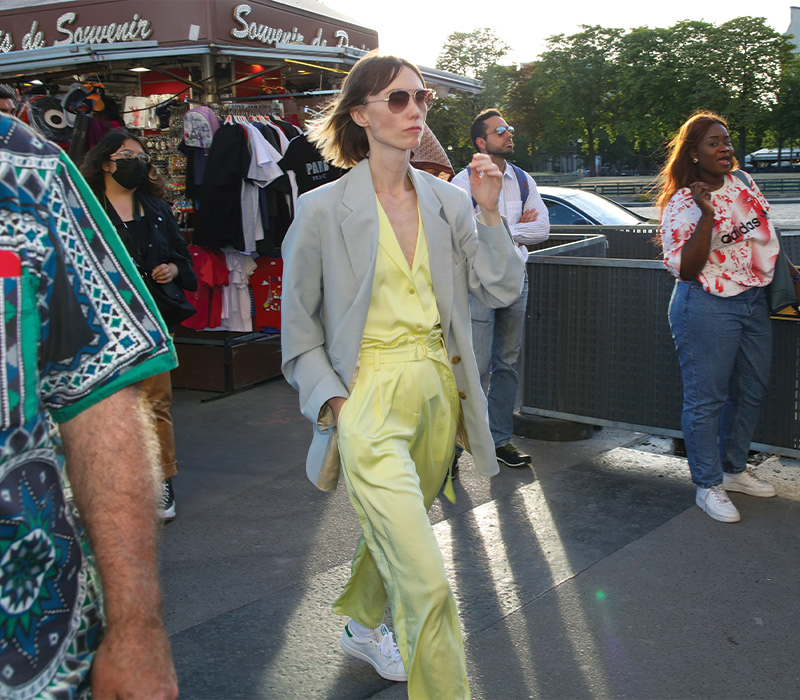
247, 26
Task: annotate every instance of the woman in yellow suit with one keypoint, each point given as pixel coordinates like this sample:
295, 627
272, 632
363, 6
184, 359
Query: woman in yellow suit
376, 338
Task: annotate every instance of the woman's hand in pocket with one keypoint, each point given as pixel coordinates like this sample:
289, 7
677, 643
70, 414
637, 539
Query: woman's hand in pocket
336, 403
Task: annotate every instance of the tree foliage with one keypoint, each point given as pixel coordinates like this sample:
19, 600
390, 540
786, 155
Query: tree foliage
621, 93
582, 84
472, 53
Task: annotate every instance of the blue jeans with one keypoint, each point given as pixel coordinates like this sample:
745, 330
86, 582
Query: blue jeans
724, 348
496, 339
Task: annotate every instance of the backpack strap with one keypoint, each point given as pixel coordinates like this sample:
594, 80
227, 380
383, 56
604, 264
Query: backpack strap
522, 180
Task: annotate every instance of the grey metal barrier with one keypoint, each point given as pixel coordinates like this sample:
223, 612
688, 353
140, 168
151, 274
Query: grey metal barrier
615, 188
598, 348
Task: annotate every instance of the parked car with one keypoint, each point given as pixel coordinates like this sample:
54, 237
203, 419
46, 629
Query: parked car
568, 206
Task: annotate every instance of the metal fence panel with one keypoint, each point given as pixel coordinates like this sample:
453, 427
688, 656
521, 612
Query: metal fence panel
598, 348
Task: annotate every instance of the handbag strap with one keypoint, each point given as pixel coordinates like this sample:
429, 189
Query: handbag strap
747, 182
124, 234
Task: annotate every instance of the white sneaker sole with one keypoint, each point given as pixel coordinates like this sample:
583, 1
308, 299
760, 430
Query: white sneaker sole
733, 518
358, 654
514, 465
733, 486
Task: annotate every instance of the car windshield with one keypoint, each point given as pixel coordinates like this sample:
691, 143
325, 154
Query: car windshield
603, 210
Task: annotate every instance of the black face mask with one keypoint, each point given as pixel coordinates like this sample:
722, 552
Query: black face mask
130, 173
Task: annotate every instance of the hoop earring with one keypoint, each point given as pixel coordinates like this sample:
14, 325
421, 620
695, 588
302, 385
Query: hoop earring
694, 160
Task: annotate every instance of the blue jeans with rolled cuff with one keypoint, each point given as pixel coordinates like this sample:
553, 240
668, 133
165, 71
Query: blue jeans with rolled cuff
724, 348
496, 340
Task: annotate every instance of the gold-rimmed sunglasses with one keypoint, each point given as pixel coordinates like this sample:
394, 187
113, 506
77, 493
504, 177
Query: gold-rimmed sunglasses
398, 99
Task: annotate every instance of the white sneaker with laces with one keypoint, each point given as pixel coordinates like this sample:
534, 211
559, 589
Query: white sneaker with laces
716, 503
747, 482
379, 650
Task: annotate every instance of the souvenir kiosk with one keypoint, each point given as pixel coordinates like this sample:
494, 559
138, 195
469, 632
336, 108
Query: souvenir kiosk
85, 67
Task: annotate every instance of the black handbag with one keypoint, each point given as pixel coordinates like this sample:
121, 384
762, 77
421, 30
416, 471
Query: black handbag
780, 292
170, 300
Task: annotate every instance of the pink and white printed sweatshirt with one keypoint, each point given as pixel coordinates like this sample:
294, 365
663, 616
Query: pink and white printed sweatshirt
744, 245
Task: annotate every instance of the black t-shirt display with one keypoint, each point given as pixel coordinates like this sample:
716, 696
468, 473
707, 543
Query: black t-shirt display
310, 168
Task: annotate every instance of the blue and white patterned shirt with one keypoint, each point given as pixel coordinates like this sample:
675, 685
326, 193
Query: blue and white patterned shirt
77, 325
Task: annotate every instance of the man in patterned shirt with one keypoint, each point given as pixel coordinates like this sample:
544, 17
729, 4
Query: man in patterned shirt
78, 331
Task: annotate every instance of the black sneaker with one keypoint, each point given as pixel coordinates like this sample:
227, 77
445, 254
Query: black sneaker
166, 508
511, 456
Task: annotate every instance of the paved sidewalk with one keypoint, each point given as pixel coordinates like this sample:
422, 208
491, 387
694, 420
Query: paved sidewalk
591, 575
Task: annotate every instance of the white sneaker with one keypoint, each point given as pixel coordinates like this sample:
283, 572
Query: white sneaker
747, 482
378, 650
716, 503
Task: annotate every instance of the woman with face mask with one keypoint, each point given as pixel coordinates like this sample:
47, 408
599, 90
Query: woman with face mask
119, 171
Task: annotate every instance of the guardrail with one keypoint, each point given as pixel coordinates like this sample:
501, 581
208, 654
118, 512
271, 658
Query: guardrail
617, 189
598, 348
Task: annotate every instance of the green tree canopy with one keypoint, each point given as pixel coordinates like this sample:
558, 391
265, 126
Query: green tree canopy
580, 89
622, 93
471, 53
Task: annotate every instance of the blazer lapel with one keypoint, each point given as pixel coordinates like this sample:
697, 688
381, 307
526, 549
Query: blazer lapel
358, 217
440, 247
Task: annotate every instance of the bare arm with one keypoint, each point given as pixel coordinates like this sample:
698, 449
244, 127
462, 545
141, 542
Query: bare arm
109, 454
696, 250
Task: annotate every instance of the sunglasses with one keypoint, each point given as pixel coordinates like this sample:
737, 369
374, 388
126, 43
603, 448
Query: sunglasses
130, 155
398, 100
500, 130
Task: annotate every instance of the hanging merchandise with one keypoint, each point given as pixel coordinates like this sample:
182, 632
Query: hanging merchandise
306, 167
46, 115
236, 315
136, 111
199, 126
212, 275
266, 282
74, 102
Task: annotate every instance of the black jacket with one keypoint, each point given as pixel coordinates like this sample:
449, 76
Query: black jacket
167, 245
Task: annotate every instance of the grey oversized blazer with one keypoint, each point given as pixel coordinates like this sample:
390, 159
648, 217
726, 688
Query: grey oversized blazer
329, 258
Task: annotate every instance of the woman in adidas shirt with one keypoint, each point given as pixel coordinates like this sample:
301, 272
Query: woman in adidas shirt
721, 246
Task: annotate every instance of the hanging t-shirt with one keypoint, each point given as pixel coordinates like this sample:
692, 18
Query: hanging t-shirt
212, 276
237, 316
266, 282
219, 219
310, 168
263, 170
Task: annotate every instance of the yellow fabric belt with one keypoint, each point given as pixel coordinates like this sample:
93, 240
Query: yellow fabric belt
407, 350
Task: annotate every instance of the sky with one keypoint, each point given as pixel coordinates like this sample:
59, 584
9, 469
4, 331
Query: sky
416, 29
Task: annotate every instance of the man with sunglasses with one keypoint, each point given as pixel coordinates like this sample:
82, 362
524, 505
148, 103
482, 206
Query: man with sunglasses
497, 333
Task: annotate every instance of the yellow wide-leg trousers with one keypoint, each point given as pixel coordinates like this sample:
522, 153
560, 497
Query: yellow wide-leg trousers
396, 440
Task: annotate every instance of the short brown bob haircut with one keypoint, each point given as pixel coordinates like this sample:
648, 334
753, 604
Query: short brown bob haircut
340, 140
